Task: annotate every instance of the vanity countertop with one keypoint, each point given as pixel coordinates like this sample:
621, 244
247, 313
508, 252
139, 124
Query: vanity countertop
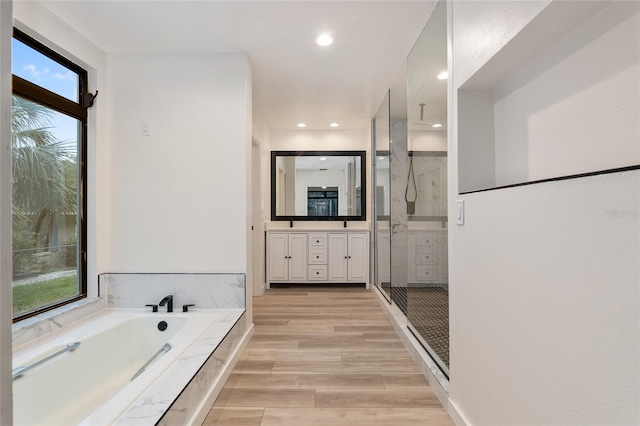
337, 226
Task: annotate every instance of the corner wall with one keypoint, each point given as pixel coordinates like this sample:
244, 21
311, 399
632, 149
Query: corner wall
544, 294
6, 259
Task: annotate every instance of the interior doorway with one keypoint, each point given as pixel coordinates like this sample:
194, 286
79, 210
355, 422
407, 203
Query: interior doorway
257, 220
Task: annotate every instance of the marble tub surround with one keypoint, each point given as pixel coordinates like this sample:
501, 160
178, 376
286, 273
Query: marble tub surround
205, 291
178, 394
51, 321
194, 402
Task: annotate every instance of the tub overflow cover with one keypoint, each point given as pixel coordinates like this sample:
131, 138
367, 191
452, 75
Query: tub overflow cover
162, 325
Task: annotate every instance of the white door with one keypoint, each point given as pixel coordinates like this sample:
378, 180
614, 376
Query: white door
298, 257
338, 257
357, 255
278, 257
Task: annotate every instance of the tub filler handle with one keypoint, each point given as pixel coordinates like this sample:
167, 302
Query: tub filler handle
163, 350
21, 370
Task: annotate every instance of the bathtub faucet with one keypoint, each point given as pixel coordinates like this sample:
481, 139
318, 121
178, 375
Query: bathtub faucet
168, 300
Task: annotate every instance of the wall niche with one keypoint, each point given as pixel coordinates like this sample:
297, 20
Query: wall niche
560, 100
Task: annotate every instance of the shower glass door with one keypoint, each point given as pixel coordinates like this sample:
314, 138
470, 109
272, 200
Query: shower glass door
380, 130
426, 195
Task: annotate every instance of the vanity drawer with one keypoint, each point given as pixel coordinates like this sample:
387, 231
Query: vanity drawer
317, 240
425, 256
425, 274
317, 272
318, 256
425, 240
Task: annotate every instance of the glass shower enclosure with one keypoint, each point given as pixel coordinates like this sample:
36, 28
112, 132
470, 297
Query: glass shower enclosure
381, 131
426, 190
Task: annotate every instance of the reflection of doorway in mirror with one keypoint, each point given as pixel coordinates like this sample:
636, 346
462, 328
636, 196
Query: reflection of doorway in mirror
322, 201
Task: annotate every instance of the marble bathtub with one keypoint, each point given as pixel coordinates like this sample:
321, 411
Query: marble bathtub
91, 384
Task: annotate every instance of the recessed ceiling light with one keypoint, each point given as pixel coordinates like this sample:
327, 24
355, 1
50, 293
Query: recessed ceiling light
334, 124
436, 125
381, 158
323, 158
324, 187
443, 75
302, 125
324, 40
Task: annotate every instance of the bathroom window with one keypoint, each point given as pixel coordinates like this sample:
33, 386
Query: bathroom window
48, 124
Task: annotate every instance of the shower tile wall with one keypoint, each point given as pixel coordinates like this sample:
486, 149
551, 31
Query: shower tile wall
399, 234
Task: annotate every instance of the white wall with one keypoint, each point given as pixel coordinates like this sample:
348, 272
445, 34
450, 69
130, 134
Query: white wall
553, 121
317, 140
179, 199
6, 407
426, 140
544, 285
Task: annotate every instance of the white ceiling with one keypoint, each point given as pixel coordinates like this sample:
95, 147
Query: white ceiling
294, 80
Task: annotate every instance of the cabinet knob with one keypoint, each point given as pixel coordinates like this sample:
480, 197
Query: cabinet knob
345, 257
317, 241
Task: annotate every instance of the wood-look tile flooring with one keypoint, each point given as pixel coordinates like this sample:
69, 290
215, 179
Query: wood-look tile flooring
325, 356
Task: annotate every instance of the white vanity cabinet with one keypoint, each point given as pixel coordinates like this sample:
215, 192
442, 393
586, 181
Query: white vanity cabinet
317, 257
428, 256
287, 257
348, 257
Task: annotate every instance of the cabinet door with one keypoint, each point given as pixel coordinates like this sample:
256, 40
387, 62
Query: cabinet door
358, 256
278, 257
298, 257
338, 257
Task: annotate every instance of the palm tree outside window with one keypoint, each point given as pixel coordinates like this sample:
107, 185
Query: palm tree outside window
48, 124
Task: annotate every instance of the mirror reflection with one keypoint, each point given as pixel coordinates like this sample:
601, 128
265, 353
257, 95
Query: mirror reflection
317, 185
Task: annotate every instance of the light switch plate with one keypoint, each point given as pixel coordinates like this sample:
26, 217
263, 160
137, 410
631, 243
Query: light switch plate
145, 129
460, 212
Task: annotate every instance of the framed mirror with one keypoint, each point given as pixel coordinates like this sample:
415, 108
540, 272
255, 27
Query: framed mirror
318, 185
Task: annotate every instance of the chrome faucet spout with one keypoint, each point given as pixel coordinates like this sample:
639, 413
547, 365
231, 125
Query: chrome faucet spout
168, 300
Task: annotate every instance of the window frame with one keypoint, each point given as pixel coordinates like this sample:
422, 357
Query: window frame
77, 110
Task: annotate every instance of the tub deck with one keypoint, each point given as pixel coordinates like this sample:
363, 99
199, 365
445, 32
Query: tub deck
183, 379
